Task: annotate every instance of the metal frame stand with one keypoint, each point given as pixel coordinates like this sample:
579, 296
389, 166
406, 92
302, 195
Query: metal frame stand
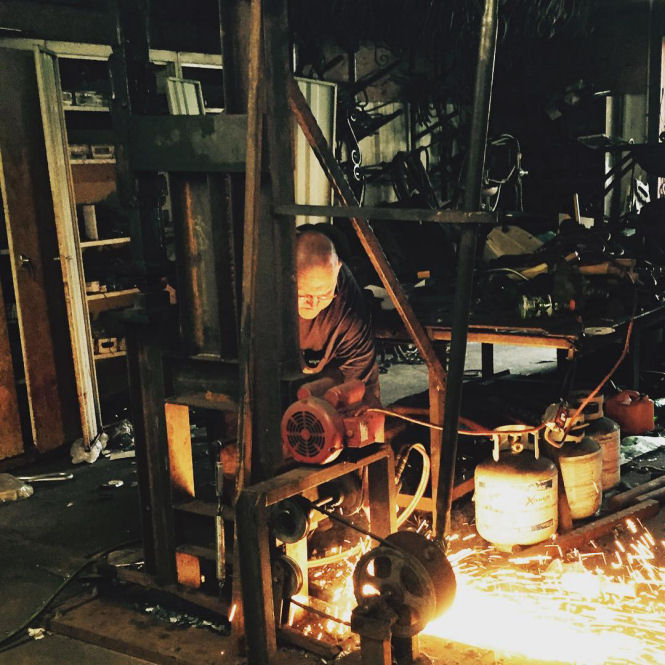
254, 538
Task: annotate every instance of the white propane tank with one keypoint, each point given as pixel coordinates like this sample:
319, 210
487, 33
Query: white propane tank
580, 461
516, 492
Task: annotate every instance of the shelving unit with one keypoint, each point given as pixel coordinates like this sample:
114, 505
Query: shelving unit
94, 184
56, 292
106, 356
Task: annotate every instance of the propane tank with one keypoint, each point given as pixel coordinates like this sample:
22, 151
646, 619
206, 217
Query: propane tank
633, 412
605, 432
516, 491
580, 461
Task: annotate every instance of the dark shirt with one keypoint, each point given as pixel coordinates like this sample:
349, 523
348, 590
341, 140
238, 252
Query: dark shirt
341, 337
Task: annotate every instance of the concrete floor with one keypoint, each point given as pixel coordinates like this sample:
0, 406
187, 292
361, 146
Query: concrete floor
48, 536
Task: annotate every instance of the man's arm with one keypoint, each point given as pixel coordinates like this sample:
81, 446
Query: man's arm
354, 352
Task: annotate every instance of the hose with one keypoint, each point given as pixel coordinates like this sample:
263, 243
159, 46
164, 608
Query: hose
422, 484
338, 556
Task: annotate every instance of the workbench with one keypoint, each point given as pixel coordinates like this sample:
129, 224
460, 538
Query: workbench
566, 335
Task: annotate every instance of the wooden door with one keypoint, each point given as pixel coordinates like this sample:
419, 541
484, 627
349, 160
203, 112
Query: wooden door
33, 248
71, 263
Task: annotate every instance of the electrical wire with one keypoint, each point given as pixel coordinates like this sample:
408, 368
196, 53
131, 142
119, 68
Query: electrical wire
8, 637
614, 368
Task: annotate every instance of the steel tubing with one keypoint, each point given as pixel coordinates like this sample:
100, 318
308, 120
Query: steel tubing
466, 259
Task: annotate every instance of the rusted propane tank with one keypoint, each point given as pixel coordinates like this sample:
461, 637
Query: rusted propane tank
605, 432
580, 460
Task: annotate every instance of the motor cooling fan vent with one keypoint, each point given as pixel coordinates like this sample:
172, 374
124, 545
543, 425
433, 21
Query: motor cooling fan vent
306, 434
312, 431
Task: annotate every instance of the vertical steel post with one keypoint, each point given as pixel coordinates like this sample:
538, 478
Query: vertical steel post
466, 259
654, 82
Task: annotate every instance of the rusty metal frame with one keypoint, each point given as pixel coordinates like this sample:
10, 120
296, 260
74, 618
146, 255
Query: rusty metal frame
254, 533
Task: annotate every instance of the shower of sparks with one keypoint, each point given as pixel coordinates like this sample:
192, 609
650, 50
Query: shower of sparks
601, 607
605, 607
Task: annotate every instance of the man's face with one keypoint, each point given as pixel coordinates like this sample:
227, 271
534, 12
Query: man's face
316, 289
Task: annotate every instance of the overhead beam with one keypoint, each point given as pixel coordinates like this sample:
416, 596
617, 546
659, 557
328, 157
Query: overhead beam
193, 144
397, 214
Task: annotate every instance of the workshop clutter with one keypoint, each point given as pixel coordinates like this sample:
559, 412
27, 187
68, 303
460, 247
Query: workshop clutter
576, 273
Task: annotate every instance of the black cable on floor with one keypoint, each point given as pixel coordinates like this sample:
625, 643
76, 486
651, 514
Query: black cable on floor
8, 637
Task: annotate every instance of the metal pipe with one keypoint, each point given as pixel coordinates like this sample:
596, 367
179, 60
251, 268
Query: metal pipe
467, 254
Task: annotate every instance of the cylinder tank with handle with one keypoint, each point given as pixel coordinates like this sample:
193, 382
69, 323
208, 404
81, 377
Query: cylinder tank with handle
605, 432
580, 461
633, 411
516, 491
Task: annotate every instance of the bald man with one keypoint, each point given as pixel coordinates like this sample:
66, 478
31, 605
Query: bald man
335, 324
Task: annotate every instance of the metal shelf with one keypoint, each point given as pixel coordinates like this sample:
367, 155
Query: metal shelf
95, 109
103, 356
87, 244
109, 295
93, 161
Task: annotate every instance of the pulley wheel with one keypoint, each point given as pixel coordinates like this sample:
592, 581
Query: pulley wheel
414, 577
293, 576
289, 519
348, 492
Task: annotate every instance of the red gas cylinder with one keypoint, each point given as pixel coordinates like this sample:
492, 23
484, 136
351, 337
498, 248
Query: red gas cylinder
633, 412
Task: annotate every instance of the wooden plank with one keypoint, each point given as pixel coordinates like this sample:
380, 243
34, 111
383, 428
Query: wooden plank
291, 637
250, 249
179, 441
92, 185
582, 535
508, 336
397, 214
26, 191
145, 347
382, 491
141, 635
11, 439
188, 568
277, 44
205, 508
256, 574
624, 499
198, 598
302, 478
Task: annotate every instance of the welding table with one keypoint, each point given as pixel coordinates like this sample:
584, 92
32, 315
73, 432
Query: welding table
567, 336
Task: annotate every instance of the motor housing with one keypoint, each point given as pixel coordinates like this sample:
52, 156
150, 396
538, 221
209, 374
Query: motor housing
325, 419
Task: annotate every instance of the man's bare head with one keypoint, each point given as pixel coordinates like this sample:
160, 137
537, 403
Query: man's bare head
317, 266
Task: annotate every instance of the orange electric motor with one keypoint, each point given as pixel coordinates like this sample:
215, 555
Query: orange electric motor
633, 412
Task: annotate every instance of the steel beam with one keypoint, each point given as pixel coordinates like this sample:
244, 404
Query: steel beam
398, 214
466, 253
196, 144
